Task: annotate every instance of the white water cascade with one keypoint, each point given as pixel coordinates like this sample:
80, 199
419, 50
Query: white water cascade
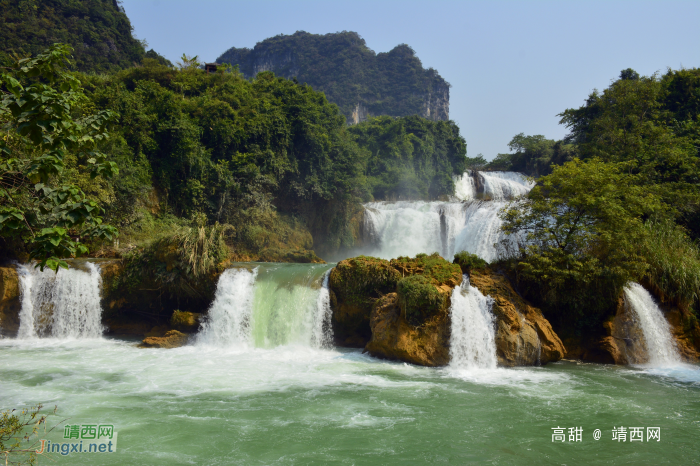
471, 223
228, 321
661, 348
60, 305
473, 333
272, 305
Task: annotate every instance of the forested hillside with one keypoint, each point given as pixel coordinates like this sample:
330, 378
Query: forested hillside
98, 30
270, 157
361, 82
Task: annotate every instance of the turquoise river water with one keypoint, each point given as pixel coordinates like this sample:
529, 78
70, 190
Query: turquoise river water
281, 401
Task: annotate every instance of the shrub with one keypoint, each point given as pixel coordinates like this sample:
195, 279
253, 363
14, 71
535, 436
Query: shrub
419, 298
468, 261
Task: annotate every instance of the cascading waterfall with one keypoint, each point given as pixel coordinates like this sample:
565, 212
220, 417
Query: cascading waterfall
473, 334
61, 305
228, 321
272, 305
322, 332
661, 347
470, 224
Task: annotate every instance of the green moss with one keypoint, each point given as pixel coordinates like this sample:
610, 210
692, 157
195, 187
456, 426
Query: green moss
438, 270
360, 280
419, 298
468, 261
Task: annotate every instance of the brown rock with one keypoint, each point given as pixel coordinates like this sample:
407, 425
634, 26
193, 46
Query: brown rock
184, 321
394, 338
172, 339
10, 303
523, 335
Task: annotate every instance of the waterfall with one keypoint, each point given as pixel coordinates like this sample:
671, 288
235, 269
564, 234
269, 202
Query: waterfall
228, 321
471, 223
61, 305
501, 186
660, 345
473, 333
322, 333
273, 305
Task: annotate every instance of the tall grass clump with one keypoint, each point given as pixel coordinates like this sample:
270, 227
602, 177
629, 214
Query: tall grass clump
202, 248
674, 261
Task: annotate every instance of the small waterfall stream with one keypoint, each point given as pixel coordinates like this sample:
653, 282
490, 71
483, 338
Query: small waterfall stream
660, 345
473, 341
228, 321
272, 305
60, 305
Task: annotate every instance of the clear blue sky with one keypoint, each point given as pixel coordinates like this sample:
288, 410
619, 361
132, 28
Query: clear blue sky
513, 65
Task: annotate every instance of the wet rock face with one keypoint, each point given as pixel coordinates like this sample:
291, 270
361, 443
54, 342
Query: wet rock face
404, 304
354, 285
10, 303
394, 338
523, 336
624, 341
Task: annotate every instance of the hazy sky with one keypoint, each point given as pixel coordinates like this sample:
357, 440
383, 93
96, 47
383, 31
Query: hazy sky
513, 65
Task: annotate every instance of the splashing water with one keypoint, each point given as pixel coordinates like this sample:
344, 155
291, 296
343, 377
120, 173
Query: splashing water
473, 340
228, 321
61, 305
322, 334
661, 347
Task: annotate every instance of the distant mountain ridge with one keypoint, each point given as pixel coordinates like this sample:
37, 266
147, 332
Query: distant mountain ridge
361, 82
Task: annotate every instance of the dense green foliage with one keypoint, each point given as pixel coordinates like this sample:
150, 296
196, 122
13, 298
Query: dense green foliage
348, 72
43, 118
230, 149
411, 157
582, 227
468, 261
588, 222
418, 298
98, 31
533, 155
674, 263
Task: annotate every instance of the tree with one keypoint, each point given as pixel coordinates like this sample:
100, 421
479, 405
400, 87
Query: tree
47, 215
581, 227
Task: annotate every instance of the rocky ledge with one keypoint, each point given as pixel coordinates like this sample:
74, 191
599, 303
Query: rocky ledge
399, 309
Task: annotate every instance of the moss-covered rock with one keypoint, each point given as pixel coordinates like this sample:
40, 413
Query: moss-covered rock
172, 339
355, 284
419, 299
184, 321
422, 287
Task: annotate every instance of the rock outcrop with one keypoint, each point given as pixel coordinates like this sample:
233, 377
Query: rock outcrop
171, 339
523, 335
394, 338
624, 342
10, 303
399, 309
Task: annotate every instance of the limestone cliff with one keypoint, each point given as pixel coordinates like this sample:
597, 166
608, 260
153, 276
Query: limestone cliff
361, 82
